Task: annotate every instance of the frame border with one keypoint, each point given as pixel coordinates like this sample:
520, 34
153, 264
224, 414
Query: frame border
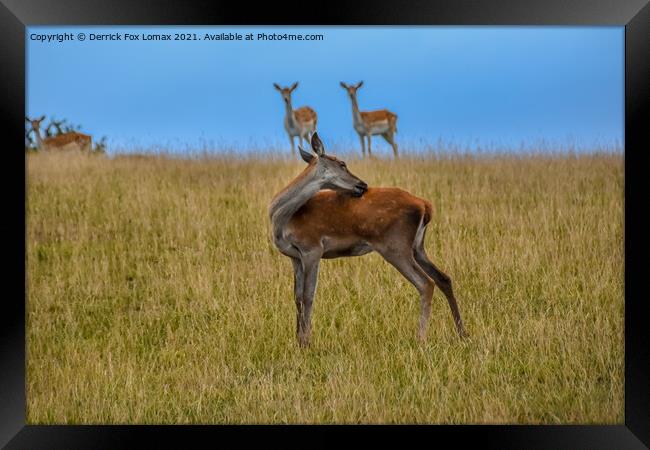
15, 15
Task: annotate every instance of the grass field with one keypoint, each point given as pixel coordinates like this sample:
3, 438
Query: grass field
156, 296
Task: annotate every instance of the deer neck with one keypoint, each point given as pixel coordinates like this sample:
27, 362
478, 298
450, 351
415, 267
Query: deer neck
292, 198
39, 138
356, 114
289, 111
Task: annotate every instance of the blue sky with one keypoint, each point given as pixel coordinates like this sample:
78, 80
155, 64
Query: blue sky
499, 86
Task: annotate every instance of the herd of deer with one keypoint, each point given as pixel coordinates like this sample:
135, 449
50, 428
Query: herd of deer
301, 122
71, 140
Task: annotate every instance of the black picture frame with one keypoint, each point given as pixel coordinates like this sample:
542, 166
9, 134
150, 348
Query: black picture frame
15, 15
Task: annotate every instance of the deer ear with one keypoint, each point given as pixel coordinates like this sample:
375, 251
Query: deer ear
359, 84
306, 156
294, 86
343, 85
27, 119
277, 86
42, 118
317, 144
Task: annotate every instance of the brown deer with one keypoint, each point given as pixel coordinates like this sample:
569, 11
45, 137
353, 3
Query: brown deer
67, 141
369, 123
299, 122
327, 212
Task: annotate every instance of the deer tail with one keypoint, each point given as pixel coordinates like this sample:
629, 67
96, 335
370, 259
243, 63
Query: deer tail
421, 217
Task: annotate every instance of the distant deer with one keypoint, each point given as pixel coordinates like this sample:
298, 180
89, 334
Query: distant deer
299, 122
327, 212
67, 141
369, 123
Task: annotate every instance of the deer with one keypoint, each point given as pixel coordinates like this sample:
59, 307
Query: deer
370, 123
327, 212
299, 122
67, 141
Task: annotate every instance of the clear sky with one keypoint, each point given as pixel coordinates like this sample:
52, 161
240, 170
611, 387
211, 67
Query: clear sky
463, 85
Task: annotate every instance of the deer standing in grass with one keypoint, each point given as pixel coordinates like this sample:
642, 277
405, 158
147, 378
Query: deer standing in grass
369, 123
67, 141
299, 122
327, 212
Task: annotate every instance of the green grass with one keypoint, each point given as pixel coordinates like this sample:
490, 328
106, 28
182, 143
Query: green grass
156, 296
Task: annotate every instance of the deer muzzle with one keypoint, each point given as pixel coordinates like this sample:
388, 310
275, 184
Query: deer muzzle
359, 189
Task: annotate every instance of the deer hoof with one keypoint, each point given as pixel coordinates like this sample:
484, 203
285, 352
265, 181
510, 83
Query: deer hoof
303, 341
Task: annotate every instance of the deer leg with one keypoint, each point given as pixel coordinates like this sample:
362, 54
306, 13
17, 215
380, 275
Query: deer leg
443, 281
391, 140
311, 265
363, 145
404, 262
298, 286
369, 145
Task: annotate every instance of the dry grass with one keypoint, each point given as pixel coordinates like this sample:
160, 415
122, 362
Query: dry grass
156, 296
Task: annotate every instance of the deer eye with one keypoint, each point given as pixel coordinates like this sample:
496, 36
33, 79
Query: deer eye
342, 164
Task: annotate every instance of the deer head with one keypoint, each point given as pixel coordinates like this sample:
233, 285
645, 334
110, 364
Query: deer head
286, 92
331, 171
35, 123
352, 88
